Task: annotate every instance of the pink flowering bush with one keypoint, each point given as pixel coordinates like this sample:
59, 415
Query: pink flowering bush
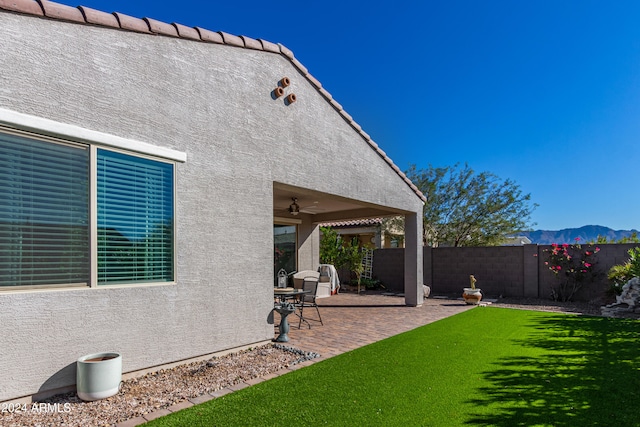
573, 265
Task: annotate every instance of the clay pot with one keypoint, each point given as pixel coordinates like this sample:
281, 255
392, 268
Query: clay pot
472, 296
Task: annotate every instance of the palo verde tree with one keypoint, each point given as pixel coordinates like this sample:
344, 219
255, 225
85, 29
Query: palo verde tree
465, 208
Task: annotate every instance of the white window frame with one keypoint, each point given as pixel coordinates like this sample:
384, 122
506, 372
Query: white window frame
41, 128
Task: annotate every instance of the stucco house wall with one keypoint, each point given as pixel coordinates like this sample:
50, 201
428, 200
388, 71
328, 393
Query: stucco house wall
214, 103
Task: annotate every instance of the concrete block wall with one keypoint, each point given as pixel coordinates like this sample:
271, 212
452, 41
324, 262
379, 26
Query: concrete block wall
510, 271
608, 256
388, 267
498, 270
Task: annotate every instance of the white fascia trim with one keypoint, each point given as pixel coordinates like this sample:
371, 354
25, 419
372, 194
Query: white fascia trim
48, 127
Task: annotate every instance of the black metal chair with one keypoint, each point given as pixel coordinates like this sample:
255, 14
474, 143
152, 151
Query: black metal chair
308, 300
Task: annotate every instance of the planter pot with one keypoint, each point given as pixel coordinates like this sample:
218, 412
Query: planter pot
98, 375
472, 296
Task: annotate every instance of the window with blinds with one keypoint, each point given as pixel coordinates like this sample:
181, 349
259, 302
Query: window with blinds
44, 225
46, 215
135, 219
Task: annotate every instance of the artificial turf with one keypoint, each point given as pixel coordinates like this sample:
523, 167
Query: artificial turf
487, 366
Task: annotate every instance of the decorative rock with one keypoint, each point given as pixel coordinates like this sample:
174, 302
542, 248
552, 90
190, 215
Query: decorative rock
304, 355
627, 304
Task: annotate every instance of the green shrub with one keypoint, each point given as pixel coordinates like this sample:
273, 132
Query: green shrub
622, 273
372, 284
618, 275
634, 261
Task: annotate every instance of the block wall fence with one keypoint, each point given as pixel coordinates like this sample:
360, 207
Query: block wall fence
510, 271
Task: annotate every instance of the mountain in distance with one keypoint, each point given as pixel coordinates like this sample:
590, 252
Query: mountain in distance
586, 234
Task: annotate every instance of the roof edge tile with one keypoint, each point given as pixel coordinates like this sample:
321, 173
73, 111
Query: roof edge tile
335, 104
346, 116
31, 7
314, 81
285, 51
250, 43
162, 28
230, 39
326, 94
61, 11
269, 47
299, 66
130, 23
186, 32
97, 17
209, 36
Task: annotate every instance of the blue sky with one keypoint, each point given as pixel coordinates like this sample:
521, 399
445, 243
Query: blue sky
546, 93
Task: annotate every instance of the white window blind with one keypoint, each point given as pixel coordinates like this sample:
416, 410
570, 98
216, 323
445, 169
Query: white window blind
135, 219
43, 212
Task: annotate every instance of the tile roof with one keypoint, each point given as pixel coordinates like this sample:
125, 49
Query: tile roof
354, 223
85, 15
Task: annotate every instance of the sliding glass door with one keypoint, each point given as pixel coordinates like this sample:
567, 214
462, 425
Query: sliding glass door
284, 248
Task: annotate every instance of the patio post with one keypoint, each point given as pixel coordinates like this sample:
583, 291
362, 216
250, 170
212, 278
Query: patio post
308, 246
413, 280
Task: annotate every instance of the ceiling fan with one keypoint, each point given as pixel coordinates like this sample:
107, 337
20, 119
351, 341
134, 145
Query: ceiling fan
295, 209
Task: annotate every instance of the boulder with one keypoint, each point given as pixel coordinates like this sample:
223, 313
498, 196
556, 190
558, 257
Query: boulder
627, 304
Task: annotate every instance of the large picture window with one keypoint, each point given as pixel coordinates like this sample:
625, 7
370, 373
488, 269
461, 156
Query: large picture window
135, 219
43, 212
46, 215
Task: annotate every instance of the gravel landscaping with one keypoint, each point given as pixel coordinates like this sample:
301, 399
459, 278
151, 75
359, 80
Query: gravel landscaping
157, 390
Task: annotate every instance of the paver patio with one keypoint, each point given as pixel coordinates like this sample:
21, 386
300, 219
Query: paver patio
352, 321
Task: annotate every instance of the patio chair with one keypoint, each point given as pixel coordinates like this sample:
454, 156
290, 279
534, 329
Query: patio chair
308, 300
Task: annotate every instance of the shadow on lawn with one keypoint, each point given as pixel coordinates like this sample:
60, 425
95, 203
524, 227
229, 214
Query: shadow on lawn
587, 373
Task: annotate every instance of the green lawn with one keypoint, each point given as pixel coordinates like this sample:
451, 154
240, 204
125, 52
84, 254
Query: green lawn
487, 366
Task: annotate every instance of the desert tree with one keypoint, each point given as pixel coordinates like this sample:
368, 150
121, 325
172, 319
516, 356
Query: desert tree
465, 208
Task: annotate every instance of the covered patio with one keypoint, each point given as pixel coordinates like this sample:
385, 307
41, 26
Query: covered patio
303, 209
